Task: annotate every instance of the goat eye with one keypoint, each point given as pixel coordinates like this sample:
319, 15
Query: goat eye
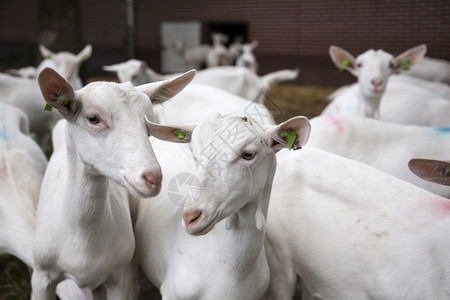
94, 119
391, 65
359, 65
247, 155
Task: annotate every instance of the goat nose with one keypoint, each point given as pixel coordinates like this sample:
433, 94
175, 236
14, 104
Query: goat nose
152, 181
191, 216
376, 82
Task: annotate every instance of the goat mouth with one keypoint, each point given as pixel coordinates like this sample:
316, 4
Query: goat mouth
137, 192
203, 229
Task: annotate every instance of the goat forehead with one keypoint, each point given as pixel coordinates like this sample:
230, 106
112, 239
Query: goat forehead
375, 56
65, 56
116, 96
225, 134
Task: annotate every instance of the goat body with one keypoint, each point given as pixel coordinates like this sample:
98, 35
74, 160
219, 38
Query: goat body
225, 259
385, 146
352, 232
83, 209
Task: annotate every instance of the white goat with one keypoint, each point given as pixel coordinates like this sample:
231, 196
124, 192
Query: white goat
83, 210
385, 146
27, 72
430, 68
436, 171
65, 63
247, 59
237, 80
234, 49
136, 71
194, 56
25, 94
373, 69
225, 209
195, 98
218, 55
243, 82
22, 167
353, 232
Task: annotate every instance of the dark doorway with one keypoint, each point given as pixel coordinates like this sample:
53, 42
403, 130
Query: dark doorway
236, 31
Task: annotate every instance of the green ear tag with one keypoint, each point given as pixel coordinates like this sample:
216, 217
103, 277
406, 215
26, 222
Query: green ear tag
447, 172
345, 63
179, 134
47, 107
64, 101
48, 57
405, 64
291, 136
86, 57
160, 95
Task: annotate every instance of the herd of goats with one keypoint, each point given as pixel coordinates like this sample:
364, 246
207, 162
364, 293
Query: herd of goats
188, 177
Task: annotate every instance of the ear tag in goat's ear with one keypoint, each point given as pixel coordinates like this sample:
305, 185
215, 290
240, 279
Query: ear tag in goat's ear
345, 63
291, 136
63, 101
405, 64
160, 95
179, 134
47, 107
85, 57
48, 57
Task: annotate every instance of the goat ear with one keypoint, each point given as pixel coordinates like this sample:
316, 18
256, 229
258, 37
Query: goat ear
170, 133
292, 134
343, 59
431, 170
59, 93
161, 91
45, 52
112, 68
254, 44
20, 120
85, 53
409, 57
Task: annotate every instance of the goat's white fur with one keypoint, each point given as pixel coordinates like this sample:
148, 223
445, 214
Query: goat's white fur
25, 94
218, 55
226, 260
83, 210
22, 166
237, 80
431, 68
402, 102
385, 146
247, 59
353, 232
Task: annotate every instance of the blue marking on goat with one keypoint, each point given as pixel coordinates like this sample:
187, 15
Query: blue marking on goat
444, 130
350, 108
2, 134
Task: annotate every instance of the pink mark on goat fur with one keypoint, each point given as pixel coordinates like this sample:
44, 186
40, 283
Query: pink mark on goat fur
336, 123
443, 205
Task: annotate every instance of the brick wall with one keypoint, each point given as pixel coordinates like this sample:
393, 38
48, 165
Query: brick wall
291, 33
